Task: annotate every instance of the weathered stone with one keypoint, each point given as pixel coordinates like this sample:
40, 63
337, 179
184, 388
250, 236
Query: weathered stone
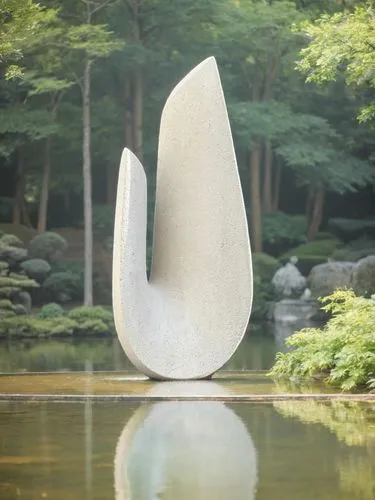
325, 278
288, 281
189, 319
363, 276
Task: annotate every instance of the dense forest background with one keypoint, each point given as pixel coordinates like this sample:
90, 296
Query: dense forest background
81, 79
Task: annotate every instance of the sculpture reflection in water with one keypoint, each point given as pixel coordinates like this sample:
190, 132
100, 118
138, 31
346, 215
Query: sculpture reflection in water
197, 450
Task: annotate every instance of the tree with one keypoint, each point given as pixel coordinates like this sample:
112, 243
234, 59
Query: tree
22, 23
85, 43
343, 45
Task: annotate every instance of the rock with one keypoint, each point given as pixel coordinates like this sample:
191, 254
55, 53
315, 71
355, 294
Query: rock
325, 278
288, 311
363, 276
288, 281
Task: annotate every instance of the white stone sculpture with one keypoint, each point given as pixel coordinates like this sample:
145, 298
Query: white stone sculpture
188, 319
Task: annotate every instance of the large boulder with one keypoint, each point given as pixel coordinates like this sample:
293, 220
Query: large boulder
325, 278
363, 276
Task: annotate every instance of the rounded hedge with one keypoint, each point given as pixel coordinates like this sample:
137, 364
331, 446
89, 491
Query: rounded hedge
49, 246
51, 310
37, 269
60, 286
11, 240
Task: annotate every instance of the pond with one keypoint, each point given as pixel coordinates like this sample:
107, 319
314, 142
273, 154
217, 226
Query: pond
256, 352
193, 450
187, 450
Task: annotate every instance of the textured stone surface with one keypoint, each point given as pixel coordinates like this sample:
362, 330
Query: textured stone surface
185, 450
189, 319
325, 278
363, 276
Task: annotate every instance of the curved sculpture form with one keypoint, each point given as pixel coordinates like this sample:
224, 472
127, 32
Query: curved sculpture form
188, 320
185, 450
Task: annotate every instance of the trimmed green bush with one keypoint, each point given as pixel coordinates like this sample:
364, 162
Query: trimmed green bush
4, 268
12, 284
37, 269
349, 229
11, 240
61, 286
92, 320
51, 310
48, 246
32, 326
13, 255
342, 353
311, 254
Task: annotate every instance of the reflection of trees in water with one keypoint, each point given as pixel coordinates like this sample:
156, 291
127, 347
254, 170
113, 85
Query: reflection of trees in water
353, 424
50, 355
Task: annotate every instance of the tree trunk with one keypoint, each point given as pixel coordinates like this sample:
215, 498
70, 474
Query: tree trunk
256, 206
43, 202
20, 188
87, 188
267, 179
138, 112
276, 186
316, 213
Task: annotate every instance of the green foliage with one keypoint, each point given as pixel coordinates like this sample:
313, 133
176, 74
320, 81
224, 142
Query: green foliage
343, 352
32, 326
48, 246
342, 44
92, 320
37, 269
11, 240
12, 255
311, 254
280, 227
61, 286
264, 268
52, 321
13, 283
355, 250
51, 310
349, 229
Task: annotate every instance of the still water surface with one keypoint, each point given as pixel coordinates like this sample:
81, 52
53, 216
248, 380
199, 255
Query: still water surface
256, 352
306, 450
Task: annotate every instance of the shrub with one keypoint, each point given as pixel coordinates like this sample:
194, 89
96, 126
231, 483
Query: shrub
4, 268
13, 284
348, 229
49, 246
283, 228
343, 352
264, 268
37, 269
12, 255
51, 310
61, 286
11, 240
77, 269
311, 254
355, 250
92, 320
32, 326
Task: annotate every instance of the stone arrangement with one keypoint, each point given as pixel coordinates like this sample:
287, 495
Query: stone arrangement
187, 320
